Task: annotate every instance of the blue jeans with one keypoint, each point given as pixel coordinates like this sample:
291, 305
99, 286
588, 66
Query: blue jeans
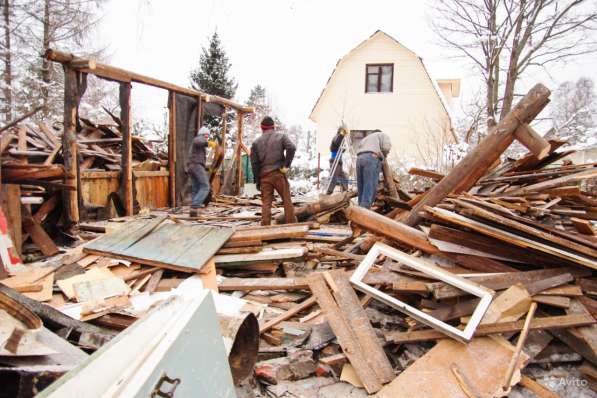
199, 184
368, 169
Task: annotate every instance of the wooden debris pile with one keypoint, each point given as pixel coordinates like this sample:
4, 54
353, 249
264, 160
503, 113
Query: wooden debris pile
483, 286
33, 175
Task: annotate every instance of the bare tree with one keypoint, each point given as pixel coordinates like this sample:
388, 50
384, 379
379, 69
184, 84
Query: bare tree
505, 39
29, 28
7, 58
574, 111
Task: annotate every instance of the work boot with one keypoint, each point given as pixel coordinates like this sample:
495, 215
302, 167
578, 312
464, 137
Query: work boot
193, 213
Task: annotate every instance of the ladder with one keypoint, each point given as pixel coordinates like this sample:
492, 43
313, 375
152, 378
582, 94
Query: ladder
351, 160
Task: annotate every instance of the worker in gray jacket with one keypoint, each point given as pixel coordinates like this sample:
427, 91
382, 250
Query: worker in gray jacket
195, 167
373, 149
271, 157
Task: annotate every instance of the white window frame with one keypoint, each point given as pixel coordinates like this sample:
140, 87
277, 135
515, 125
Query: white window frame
426, 267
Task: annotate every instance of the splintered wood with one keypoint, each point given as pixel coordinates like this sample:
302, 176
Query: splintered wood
354, 332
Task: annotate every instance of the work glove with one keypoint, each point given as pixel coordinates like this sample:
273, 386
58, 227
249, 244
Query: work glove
212, 144
284, 170
343, 132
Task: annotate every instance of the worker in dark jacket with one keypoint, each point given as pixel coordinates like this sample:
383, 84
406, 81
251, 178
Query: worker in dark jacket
195, 166
373, 149
337, 176
271, 156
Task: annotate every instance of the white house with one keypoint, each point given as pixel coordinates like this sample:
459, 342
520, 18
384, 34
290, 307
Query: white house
381, 84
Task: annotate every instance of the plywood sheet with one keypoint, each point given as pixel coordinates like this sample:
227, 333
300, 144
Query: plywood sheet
484, 361
42, 277
162, 244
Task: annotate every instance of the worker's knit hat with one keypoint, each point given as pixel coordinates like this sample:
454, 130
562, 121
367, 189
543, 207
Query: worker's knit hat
267, 123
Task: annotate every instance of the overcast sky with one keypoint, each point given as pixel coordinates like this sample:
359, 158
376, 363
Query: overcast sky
288, 46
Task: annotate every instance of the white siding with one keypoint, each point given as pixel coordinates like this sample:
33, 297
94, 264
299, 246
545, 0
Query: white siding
413, 114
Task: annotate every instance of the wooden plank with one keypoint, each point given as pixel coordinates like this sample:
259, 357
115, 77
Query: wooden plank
250, 284
555, 182
554, 301
506, 236
265, 256
308, 303
583, 226
127, 145
479, 212
483, 245
269, 232
547, 323
476, 163
434, 175
443, 291
582, 339
504, 212
538, 389
38, 235
361, 327
344, 333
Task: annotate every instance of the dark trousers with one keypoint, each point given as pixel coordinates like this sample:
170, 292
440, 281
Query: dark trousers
199, 184
337, 178
368, 169
277, 181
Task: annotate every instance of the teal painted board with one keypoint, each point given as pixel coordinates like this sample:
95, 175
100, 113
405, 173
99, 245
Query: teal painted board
183, 247
180, 339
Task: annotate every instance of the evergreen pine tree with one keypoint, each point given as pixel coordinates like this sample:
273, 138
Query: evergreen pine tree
211, 76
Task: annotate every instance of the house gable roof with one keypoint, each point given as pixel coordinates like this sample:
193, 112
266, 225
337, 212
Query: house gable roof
378, 33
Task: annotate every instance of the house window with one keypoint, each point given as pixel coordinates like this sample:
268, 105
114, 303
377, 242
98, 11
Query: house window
379, 78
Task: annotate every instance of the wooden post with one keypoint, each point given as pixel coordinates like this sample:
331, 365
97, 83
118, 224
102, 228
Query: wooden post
239, 158
224, 131
69, 149
127, 153
535, 143
172, 149
476, 163
199, 112
388, 176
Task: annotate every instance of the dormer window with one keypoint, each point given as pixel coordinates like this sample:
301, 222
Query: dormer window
379, 78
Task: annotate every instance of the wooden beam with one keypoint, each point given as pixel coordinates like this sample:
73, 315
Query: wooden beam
172, 149
127, 148
381, 225
124, 76
535, 143
547, 323
538, 389
476, 163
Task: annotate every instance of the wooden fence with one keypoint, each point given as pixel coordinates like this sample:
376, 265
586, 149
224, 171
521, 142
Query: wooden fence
151, 187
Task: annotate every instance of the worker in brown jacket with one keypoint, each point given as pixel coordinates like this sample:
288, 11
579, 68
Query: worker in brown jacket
271, 156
